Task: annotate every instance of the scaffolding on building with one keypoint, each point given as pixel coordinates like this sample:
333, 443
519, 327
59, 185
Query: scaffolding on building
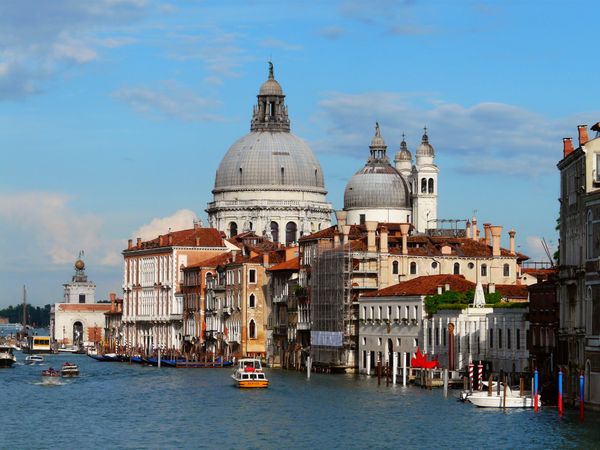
335, 284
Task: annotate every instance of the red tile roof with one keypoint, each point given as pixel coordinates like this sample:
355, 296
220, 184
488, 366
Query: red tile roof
292, 264
512, 290
84, 307
425, 285
194, 237
215, 261
356, 232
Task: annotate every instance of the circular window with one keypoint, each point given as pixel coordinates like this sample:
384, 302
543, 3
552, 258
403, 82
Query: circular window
470, 265
434, 265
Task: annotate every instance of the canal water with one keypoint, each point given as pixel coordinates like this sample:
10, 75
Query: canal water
117, 405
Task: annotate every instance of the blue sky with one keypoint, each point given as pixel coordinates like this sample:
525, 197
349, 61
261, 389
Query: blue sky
114, 114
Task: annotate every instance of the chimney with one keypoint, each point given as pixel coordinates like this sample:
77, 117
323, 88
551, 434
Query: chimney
486, 230
170, 239
583, 134
468, 230
491, 288
511, 235
341, 219
346, 232
197, 241
266, 258
446, 287
160, 241
234, 255
567, 146
496, 233
196, 224
139, 243
112, 301
404, 228
475, 230
371, 227
336, 239
383, 239
291, 253
439, 290
129, 244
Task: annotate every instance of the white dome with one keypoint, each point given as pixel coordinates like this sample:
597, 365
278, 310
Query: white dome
265, 160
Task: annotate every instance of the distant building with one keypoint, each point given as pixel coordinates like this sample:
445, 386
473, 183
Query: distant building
79, 319
113, 325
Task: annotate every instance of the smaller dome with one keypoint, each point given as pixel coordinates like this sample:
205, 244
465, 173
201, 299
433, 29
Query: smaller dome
79, 264
425, 149
404, 153
270, 87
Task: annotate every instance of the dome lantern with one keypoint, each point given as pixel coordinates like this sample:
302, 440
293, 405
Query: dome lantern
425, 149
270, 112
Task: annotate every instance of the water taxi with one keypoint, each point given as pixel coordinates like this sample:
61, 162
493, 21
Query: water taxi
34, 359
69, 370
505, 398
249, 374
7, 356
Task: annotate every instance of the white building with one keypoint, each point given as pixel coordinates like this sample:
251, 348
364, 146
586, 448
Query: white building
405, 193
79, 319
269, 181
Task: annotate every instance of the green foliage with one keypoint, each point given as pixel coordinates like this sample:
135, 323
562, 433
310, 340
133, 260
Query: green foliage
38, 316
493, 298
511, 305
457, 300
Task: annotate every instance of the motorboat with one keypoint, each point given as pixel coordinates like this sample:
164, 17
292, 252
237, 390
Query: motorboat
249, 374
34, 359
7, 356
69, 370
504, 398
51, 376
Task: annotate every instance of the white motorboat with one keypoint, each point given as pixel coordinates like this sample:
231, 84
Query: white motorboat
34, 359
506, 398
69, 370
7, 356
249, 374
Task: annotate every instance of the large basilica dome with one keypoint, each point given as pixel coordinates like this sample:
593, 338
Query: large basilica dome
269, 181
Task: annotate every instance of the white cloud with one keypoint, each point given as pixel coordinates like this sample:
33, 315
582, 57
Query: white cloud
484, 138
279, 44
169, 99
180, 220
39, 40
46, 218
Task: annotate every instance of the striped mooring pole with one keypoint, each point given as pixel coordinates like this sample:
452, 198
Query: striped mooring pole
479, 375
471, 375
581, 391
535, 391
560, 392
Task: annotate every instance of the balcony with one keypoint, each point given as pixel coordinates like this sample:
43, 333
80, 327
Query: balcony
280, 299
227, 310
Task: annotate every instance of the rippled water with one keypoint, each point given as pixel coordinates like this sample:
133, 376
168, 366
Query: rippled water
116, 405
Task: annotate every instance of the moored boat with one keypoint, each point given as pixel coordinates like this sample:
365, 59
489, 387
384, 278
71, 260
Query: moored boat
7, 356
249, 374
69, 370
506, 398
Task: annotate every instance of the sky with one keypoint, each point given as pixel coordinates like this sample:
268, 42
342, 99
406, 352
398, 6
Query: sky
115, 114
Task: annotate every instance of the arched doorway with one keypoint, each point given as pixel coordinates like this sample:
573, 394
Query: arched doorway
78, 334
233, 229
390, 352
275, 231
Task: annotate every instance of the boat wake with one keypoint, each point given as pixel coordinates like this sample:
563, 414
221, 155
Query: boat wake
49, 383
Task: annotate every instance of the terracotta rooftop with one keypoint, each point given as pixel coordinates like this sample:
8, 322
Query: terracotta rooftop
193, 237
211, 262
292, 264
512, 290
425, 285
356, 232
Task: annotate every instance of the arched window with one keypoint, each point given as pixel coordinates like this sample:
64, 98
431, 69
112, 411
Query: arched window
506, 270
275, 231
290, 233
282, 175
413, 268
456, 268
252, 329
395, 267
423, 185
232, 229
430, 186
484, 270
252, 301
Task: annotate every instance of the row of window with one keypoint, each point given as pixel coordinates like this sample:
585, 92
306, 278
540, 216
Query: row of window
235, 276
402, 312
456, 269
291, 231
